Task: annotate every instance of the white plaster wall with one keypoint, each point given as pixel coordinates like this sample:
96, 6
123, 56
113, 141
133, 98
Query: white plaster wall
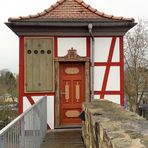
37, 98
99, 76
102, 47
26, 104
113, 82
113, 98
96, 97
116, 53
65, 44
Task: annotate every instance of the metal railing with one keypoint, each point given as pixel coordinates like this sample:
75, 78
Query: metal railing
28, 129
143, 108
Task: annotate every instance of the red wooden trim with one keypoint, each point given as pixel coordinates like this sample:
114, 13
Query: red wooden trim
90, 92
121, 71
40, 94
55, 47
21, 74
88, 46
85, 36
48, 127
54, 111
38, 36
115, 92
107, 64
108, 67
71, 36
106, 36
30, 99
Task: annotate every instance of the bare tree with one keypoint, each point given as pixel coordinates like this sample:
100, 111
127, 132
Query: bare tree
136, 64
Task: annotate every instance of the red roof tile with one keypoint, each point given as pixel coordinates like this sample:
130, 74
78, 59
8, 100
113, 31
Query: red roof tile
70, 9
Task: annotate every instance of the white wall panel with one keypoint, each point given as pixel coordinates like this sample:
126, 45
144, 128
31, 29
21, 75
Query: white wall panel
102, 47
99, 76
113, 82
116, 53
37, 98
65, 44
113, 98
96, 97
26, 104
50, 109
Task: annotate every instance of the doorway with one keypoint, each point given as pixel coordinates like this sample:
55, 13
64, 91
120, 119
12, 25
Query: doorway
72, 87
72, 92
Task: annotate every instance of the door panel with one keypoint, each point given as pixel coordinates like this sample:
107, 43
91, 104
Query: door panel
71, 92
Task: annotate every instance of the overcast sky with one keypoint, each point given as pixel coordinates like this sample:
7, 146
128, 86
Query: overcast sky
9, 49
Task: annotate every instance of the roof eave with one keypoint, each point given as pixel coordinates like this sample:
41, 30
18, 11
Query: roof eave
72, 23
42, 28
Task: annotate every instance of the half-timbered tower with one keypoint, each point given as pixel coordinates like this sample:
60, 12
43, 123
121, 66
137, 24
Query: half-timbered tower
71, 53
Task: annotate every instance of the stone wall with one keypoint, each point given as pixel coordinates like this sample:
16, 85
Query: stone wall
108, 125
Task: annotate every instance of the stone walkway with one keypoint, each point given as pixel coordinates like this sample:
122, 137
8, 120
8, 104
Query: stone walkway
63, 138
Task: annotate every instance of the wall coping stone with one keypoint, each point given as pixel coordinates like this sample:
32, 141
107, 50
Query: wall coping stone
108, 125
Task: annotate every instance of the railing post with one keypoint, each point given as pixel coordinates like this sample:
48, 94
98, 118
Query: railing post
2, 141
22, 137
34, 115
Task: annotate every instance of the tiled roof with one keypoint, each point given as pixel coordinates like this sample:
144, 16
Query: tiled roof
70, 9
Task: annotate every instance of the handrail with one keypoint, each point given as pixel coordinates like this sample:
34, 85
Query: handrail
29, 127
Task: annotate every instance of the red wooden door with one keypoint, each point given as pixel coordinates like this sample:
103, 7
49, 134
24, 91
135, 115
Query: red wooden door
72, 92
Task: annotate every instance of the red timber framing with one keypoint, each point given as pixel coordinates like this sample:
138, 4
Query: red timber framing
30, 99
121, 72
110, 56
108, 65
102, 92
55, 47
21, 73
21, 76
55, 56
21, 91
88, 46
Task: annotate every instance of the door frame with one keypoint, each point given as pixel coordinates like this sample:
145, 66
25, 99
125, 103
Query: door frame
73, 57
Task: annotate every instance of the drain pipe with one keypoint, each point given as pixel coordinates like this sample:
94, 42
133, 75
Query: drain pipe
90, 26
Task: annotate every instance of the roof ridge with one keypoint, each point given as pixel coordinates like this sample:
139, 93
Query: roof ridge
81, 2
54, 6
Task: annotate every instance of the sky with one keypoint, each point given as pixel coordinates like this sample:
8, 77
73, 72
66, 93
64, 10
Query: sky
9, 42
